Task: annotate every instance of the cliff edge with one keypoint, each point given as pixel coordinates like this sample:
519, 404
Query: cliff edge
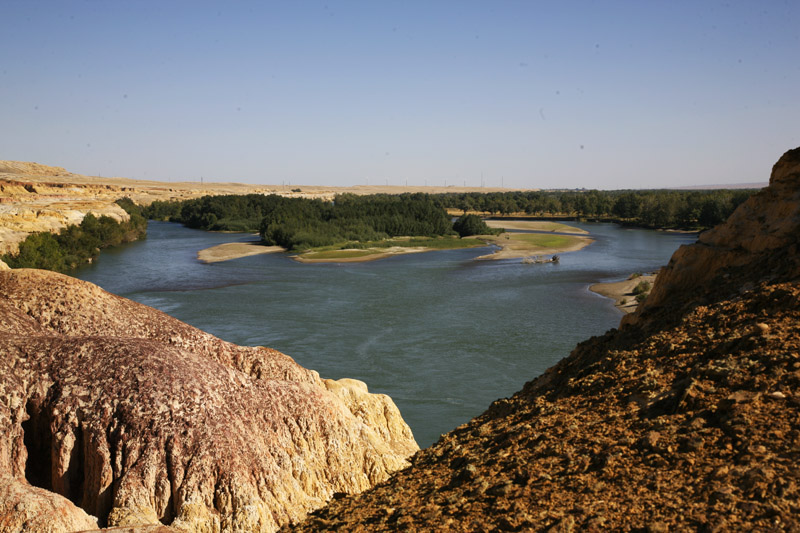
687, 418
115, 414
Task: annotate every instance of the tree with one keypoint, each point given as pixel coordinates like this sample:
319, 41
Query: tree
471, 225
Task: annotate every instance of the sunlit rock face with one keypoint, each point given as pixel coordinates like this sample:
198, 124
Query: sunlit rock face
115, 414
759, 242
35, 198
684, 419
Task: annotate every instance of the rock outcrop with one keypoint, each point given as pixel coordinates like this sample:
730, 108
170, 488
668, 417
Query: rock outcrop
115, 414
758, 242
687, 418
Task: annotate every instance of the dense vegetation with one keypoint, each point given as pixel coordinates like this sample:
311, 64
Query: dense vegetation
217, 213
301, 223
651, 208
469, 224
76, 245
352, 221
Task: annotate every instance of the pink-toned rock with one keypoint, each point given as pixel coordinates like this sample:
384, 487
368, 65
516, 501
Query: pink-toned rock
27, 508
138, 418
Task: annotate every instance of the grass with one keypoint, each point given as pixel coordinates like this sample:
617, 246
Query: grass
439, 243
534, 225
540, 240
340, 254
348, 250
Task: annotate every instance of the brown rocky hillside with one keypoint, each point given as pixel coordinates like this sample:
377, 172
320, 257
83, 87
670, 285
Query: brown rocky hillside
115, 414
687, 418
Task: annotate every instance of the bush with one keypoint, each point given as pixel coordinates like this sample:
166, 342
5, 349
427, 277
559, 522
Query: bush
467, 225
75, 245
642, 288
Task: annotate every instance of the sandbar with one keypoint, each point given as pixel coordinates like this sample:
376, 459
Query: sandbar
536, 225
358, 255
235, 250
519, 245
622, 291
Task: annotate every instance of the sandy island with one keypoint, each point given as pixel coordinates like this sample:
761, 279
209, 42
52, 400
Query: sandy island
235, 250
622, 291
515, 246
550, 238
536, 225
352, 255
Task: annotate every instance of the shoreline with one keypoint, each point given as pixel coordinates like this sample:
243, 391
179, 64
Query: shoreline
620, 291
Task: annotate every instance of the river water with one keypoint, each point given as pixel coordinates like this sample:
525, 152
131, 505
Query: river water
441, 334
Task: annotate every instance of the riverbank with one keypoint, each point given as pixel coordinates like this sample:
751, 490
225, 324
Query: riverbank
622, 291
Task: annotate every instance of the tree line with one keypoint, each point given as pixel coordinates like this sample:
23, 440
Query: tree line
658, 209
302, 223
76, 245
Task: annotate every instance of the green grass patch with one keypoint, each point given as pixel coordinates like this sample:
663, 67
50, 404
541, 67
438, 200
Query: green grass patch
439, 243
544, 240
557, 226
339, 254
361, 249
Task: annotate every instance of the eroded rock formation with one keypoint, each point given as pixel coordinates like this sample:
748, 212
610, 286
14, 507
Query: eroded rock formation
113, 413
687, 418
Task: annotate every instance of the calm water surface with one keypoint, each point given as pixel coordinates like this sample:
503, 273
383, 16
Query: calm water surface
441, 334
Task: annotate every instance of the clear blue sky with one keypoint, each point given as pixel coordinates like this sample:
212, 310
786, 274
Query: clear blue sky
531, 94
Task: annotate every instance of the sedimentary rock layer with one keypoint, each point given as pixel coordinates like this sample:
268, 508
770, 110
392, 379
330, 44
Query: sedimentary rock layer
687, 418
113, 413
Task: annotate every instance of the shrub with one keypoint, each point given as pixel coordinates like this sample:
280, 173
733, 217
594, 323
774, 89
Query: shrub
642, 288
467, 225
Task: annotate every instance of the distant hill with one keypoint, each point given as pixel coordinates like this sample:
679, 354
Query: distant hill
753, 185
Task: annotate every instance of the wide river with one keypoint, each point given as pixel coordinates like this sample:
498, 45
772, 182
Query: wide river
441, 334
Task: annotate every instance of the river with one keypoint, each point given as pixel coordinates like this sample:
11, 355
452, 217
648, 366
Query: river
441, 334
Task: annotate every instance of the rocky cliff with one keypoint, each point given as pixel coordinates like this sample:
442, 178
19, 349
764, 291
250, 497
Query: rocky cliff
687, 418
115, 414
35, 197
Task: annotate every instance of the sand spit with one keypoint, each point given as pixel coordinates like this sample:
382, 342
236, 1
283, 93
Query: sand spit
622, 291
535, 225
511, 248
235, 250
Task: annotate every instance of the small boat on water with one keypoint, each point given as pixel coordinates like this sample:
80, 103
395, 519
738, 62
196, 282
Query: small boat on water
538, 259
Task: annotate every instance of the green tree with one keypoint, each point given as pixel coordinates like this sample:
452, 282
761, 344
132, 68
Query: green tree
467, 225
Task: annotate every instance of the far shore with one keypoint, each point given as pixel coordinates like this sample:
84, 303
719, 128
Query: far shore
622, 291
235, 250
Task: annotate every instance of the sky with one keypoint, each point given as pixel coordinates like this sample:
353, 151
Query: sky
528, 94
